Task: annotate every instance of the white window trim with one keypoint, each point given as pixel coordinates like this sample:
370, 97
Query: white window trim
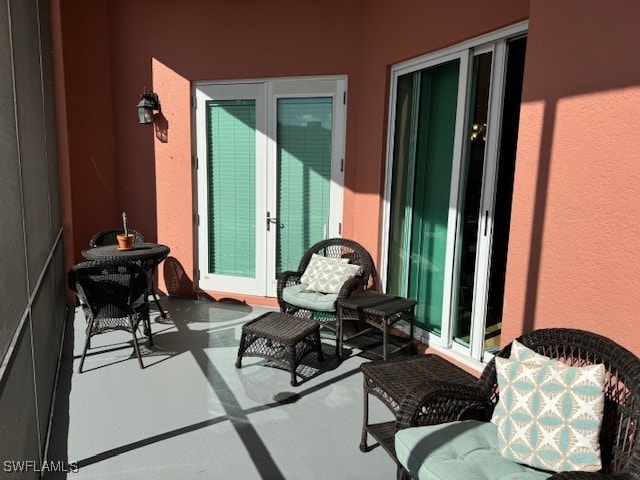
477, 44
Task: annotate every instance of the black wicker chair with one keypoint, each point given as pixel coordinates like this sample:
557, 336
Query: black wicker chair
109, 237
113, 296
442, 401
334, 248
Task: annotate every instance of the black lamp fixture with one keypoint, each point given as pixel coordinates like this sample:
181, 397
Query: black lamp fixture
146, 106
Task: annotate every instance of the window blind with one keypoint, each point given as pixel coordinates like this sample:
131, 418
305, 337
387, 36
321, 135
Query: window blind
231, 162
304, 131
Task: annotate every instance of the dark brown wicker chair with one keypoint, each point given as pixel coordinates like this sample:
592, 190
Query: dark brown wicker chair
113, 297
109, 237
441, 401
335, 248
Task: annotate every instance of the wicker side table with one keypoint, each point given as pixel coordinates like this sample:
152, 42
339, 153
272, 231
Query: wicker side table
280, 338
379, 311
392, 380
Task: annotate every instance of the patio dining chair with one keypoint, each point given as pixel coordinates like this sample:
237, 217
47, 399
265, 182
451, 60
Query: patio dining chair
113, 296
330, 270
109, 237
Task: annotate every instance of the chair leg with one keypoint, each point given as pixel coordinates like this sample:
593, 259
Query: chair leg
147, 325
136, 347
87, 342
402, 474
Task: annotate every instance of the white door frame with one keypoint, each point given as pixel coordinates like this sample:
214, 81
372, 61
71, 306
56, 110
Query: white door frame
203, 93
334, 87
266, 93
494, 41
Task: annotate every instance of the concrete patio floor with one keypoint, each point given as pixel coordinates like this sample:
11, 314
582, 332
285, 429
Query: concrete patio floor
191, 414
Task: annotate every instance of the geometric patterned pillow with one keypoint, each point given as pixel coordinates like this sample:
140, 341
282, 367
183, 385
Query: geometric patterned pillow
331, 279
552, 414
320, 269
522, 354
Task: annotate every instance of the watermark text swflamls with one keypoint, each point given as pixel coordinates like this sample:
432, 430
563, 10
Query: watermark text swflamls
17, 466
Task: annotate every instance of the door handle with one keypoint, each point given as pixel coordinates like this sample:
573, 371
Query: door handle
270, 220
486, 221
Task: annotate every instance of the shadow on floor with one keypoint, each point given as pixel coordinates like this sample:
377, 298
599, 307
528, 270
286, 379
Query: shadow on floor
199, 341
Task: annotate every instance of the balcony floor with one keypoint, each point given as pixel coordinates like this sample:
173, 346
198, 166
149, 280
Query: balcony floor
191, 414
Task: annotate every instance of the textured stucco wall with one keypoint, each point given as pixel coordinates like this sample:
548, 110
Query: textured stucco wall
573, 250
85, 122
574, 229
179, 44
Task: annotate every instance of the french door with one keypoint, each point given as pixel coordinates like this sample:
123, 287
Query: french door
454, 130
270, 159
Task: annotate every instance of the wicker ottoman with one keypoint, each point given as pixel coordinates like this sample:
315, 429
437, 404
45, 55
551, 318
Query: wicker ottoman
280, 338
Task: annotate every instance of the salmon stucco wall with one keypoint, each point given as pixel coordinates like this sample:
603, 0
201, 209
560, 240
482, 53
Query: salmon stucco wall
391, 33
180, 43
167, 46
575, 226
192, 41
85, 135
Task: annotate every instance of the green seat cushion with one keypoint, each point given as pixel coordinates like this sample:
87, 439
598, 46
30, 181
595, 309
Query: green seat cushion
464, 450
299, 296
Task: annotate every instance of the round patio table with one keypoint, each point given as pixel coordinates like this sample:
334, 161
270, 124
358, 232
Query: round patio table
148, 254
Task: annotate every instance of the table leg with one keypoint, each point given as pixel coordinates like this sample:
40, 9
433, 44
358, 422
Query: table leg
152, 290
365, 416
385, 328
147, 322
241, 350
163, 314
319, 343
293, 364
411, 332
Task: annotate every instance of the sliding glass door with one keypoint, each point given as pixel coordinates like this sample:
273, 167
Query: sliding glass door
421, 188
449, 190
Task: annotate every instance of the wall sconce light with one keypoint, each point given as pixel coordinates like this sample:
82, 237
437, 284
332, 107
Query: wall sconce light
146, 106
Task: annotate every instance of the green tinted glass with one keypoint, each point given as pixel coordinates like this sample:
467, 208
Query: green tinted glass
425, 128
231, 164
304, 131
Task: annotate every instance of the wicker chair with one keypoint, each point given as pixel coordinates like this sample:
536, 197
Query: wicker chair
334, 248
113, 296
109, 237
441, 402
